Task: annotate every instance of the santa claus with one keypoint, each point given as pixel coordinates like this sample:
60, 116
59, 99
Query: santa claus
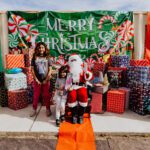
77, 95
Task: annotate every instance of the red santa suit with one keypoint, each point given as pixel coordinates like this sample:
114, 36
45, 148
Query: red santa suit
80, 75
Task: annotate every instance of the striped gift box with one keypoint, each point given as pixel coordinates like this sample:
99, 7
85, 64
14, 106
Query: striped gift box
116, 101
13, 61
142, 62
96, 103
17, 99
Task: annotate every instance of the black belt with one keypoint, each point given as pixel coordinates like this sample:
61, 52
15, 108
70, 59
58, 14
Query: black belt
77, 83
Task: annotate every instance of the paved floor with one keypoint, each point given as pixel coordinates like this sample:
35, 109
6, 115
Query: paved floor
19, 121
102, 143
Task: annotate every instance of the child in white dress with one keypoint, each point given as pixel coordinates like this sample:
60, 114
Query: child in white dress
60, 97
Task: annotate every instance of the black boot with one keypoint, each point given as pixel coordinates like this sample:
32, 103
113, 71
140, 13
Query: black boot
57, 122
81, 111
62, 118
74, 114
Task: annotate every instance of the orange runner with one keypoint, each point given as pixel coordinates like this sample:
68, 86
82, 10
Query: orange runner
76, 136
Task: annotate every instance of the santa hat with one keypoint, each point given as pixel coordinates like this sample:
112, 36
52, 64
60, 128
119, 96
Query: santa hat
74, 56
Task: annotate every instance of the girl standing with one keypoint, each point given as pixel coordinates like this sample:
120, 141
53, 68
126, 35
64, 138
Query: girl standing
41, 70
60, 95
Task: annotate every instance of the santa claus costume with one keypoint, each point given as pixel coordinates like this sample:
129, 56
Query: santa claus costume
77, 95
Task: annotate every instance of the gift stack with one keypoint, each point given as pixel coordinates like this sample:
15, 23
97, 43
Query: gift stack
139, 82
27, 70
16, 84
116, 101
3, 91
101, 86
117, 71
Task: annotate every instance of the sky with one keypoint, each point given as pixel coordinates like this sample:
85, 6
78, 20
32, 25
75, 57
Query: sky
75, 5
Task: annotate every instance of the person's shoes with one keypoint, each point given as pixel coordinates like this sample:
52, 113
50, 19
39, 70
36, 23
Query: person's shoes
48, 113
57, 122
62, 118
74, 120
33, 113
80, 119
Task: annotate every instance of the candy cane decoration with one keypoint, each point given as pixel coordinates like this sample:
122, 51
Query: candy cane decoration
101, 21
126, 31
131, 44
98, 59
13, 40
17, 24
61, 60
53, 59
32, 32
90, 62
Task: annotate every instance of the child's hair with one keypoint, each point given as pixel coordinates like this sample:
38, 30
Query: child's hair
37, 53
61, 70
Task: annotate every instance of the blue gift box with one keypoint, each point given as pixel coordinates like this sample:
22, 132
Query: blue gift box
139, 97
141, 74
120, 61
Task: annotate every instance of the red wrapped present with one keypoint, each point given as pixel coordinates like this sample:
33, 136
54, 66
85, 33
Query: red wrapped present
27, 71
17, 99
13, 61
141, 62
98, 66
96, 103
127, 91
116, 101
27, 60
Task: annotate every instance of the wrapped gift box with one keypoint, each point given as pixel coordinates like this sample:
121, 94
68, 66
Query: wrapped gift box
13, 61
127, 90
27, 60
116, 101
141, 74
115, 78
15, 81
27, 71
123, 74
139, 97
142, 62
96, 103
3, 97
17, 99
98, 66
119, 61
101, 89
2, 81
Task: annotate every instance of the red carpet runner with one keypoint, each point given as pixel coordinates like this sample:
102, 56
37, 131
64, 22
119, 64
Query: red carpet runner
76, 136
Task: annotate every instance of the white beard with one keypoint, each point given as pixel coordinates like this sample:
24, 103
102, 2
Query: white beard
76, 70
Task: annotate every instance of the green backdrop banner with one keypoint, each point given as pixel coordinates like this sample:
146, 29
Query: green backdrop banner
86, 33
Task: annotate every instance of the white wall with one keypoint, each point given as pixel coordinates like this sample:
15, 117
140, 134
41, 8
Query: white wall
139, 38
4, 35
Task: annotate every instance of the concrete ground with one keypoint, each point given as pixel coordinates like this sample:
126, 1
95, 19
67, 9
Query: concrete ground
112, 131
19, 121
